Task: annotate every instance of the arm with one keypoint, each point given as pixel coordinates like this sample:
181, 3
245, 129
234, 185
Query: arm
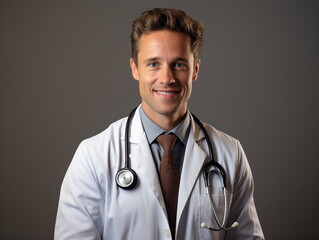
243, 208
81, 201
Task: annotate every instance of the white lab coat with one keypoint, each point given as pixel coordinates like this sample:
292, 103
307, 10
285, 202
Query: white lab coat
92, 206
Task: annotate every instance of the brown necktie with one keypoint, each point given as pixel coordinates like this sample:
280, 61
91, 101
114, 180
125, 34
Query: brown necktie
169, 176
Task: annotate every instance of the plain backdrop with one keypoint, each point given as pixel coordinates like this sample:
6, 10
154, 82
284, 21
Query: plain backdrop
65, 76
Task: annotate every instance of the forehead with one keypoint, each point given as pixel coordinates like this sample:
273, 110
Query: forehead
164, 42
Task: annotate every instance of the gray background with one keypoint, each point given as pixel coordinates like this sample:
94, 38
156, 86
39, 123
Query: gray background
65, 76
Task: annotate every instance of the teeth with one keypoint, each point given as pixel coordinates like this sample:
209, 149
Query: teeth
167, 93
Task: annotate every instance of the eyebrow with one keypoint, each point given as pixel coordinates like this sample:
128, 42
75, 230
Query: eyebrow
158, 58
151, 59
181, 59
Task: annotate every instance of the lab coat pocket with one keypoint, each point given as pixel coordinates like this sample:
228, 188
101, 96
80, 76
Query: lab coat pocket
207, 214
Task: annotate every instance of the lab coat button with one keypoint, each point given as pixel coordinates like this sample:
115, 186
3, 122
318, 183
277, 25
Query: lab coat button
167, 233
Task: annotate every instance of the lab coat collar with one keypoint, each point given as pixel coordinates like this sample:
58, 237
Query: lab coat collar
136, 129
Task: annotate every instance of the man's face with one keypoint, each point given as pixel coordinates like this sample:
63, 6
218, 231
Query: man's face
165, 71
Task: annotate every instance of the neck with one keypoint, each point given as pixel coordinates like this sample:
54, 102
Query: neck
165, 121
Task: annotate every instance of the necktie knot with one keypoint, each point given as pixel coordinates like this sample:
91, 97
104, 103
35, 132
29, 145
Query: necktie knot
167, 141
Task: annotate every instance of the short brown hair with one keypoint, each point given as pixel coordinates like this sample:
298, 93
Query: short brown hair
169, 19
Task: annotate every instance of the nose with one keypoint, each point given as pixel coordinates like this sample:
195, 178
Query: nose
167, 76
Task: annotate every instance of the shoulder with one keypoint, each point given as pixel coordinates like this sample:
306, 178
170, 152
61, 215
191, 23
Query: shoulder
95, 154
229, 152
113, 133
220, 138
227, 149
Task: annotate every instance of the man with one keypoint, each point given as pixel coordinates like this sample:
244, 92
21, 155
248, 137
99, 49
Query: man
165, 203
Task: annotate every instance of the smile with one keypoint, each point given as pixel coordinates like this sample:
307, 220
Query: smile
166, 92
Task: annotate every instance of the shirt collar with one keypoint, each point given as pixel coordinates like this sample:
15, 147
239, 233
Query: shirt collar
152, 130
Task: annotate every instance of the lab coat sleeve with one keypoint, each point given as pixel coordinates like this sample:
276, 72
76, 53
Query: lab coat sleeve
243, 208
81, 200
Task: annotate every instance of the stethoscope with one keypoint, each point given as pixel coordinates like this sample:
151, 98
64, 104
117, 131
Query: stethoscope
126, 177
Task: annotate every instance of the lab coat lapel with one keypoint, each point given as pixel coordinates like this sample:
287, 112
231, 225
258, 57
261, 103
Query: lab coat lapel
141, 159
193, 162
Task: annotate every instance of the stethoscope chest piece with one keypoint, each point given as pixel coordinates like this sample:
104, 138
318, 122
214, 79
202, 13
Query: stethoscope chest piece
126, 178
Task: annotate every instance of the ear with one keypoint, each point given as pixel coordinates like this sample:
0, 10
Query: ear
134, 69
196, 70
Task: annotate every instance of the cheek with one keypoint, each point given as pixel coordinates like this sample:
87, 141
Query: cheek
187, 86
148, 78
145, 85
186, 80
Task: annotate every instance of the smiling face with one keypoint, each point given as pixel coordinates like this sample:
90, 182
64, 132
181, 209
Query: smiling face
165, 71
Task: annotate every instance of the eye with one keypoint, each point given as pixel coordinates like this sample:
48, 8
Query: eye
153, 65
180, 66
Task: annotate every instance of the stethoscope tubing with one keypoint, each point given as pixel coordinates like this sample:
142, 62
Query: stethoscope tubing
211, 156
126, 177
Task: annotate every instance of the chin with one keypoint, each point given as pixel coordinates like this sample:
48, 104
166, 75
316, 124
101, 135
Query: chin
165, 109
170, 110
